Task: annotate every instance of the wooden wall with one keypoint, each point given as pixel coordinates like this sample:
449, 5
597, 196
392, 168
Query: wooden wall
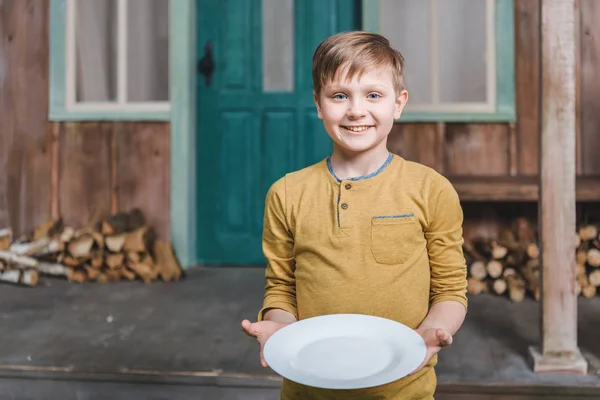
68, 169
73, 169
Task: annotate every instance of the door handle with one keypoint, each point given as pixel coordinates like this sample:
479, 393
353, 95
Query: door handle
206, 65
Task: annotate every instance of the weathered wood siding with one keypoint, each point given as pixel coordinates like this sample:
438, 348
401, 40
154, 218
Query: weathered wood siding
24, 132
76, 169
95, 167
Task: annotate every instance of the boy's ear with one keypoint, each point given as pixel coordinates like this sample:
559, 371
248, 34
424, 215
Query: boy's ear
316, 99
400, 103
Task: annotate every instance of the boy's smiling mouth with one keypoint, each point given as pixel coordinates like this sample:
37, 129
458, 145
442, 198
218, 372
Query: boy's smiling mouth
356, 128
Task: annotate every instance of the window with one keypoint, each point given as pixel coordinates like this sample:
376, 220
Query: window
459, 56
110, 60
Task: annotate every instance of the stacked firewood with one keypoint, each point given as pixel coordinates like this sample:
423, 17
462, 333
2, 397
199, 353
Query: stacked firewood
120, 247
510, 264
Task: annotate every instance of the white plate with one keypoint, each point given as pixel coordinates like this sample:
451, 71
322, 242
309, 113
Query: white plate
344, 351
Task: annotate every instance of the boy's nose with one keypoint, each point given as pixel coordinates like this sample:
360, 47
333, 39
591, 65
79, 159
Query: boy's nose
356, 110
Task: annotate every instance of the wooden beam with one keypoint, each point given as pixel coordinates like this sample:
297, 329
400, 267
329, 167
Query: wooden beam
559, 350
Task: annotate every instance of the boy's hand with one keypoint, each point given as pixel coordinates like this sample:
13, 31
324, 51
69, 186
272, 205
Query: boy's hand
435, 339
262, 331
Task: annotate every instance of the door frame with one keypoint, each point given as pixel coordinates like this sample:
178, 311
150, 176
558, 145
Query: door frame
183, 127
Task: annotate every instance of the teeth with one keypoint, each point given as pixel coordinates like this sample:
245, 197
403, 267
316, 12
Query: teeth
357, 128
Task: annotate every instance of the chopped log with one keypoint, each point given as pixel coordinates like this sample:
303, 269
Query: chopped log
170, 269
147, 272
494, 268
475, 286
581, 257
18, 260
97, 259
498, 251
477, 270
92, 272
133, 257
107, 229
115, 261
588, 232
531, 273
594, 278
28, 277
115, 243
499, 286
508, 272
516, 288
81, 247
533, 251
76, 275
112, 275
136, 220
593, 257
67, 234
47, 229
52, 269
6, 236
127, 273
38, 248
71, 261
139, 240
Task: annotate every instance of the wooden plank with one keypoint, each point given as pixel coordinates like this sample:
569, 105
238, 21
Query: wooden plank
590, 86
516, 188
24, 134
527, 65
477, 149
578, 142
143, 172
416, 142
559, 351
84, 171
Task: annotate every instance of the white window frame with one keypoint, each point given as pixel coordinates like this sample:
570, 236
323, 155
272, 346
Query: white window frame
63, 104
499, 105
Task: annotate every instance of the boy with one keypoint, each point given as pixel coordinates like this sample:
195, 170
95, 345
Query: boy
363, 231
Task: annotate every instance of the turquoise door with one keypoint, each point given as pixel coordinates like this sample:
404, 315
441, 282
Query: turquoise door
256, 116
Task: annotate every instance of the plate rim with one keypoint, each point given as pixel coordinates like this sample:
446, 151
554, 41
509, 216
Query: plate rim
345, 384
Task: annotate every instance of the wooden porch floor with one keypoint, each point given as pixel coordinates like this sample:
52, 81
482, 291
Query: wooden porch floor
133, 338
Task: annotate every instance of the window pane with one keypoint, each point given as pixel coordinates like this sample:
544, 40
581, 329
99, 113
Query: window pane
407, 24
95, 50
147, 50
278, 45
462, 50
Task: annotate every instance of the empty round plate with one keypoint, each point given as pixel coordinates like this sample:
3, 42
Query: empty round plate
344, 351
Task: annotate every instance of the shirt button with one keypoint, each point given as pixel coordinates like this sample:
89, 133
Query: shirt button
344, 206
348, 186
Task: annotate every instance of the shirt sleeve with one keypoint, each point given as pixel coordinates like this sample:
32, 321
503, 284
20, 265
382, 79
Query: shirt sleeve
444, 245
278, 248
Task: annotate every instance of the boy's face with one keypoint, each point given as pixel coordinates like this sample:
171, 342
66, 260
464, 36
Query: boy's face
358, 114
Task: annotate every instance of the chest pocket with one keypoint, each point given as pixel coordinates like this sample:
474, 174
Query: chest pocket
394, 238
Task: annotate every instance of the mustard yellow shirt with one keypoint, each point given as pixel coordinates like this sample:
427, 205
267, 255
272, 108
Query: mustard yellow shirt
388, 244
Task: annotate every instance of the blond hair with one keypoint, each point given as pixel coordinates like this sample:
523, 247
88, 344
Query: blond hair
359, 51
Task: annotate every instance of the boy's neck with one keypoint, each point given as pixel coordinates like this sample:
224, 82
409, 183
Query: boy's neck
351, 165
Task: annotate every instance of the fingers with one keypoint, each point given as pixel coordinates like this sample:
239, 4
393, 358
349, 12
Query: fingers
444, 337
251, 330
248, 327
262, 359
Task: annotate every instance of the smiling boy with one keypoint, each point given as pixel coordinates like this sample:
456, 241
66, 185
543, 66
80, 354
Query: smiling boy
363, 231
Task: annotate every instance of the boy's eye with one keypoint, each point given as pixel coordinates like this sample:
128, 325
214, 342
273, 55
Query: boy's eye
373, 96
339, 96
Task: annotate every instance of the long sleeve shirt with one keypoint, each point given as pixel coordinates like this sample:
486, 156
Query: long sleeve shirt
388, 244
